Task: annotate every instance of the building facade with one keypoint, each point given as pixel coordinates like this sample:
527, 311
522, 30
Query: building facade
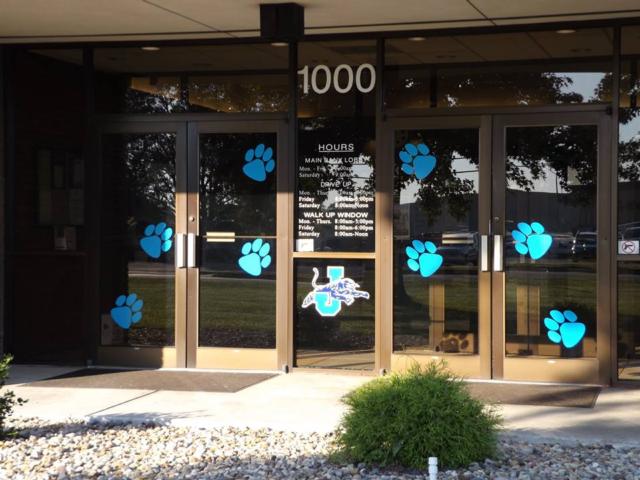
357, 197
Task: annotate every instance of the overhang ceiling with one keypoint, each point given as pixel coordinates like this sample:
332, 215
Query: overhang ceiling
82, 20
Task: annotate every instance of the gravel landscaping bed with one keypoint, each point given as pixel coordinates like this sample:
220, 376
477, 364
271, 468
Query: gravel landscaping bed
41, 450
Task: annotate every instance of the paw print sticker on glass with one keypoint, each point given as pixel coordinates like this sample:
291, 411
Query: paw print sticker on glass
416, 160
157, 240
531, 239
259, 162
423, 258
564, 327
128, 310
255, 257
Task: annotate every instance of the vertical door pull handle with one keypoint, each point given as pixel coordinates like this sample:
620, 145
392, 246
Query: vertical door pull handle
498, 260
180, 250
484, 253
191, 250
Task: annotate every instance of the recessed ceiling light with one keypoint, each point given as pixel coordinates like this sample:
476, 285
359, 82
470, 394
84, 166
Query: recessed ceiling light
417, 39
150, 49
279, 44
565, 31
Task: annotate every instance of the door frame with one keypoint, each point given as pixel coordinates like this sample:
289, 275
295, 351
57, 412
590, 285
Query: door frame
596, 370
394, 119
477, 365
182, 353
232, 357
165, 356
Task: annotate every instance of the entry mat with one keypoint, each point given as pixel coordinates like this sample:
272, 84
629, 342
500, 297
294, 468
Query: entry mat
174, 380
529, 394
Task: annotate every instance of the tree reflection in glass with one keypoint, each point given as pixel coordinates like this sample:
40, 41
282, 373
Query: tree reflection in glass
438, 313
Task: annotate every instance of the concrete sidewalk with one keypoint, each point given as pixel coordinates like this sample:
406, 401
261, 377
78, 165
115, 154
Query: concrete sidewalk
305, 402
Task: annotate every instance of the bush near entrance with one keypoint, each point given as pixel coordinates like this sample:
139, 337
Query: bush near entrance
8, 399
405, 418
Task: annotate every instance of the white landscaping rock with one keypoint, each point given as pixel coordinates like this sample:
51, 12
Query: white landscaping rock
76, 450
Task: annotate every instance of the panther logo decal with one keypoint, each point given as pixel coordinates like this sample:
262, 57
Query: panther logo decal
328, 298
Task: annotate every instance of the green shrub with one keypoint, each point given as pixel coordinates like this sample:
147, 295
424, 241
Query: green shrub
7, 400
405, 418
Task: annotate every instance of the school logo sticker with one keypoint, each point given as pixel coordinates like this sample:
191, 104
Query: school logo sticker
416, 160
157, 239
531, 239
564, 327
329, 297
259, 162
422, 257
255, 257
127, 310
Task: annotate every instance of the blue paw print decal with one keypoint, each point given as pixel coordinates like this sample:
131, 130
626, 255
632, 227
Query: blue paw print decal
531, 239
416, 160
564, 327
259, 163
423, 258
128, 310
255, 257
157, 240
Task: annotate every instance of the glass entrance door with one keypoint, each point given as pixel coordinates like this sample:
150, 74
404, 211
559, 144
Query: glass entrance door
550, 248
235, 214
138, 219
441, 279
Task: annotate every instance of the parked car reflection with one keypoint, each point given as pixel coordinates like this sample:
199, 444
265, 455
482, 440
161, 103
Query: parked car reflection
584, 244
562, 245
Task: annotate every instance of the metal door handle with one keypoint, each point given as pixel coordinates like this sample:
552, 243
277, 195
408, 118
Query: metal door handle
180, 257
484, 253
498, 261
191, 250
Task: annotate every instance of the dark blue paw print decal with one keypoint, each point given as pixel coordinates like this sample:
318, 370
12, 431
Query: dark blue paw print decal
564, 327
259, 163
255, 257
157, 240
128, 310
531, 239
423, 258
416, 160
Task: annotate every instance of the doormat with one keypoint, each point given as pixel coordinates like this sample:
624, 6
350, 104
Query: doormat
173, 380
542, 395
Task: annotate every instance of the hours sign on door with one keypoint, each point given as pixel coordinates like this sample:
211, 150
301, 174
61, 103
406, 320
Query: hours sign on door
335, 201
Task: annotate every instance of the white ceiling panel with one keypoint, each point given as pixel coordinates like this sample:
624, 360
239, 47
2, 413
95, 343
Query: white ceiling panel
72, 20
244, 14
86, 17
563, 18
532, 8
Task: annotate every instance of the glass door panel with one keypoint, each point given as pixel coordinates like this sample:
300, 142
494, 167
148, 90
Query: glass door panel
436, 241
335, 313
551, 238
440, 227
138, 223
236, 280
546, 206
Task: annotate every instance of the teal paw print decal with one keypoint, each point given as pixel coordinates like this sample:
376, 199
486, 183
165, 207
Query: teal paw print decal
531, 239
128, 310
423, 258
416, 160
255, 257
259, 162
564, 327
157, 240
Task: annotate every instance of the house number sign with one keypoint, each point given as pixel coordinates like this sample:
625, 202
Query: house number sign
342, 79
